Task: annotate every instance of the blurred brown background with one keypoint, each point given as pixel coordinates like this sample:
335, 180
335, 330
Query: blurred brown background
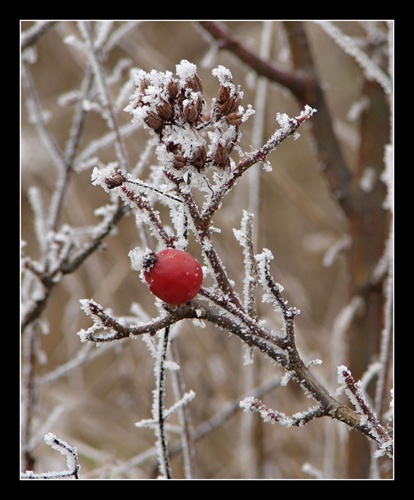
298, 219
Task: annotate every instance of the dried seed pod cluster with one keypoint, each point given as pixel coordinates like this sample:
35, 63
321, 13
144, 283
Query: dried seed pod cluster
171, 107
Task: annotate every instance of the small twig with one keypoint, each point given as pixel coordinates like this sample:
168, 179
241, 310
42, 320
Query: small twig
163, 459
28, 393
153, 217
187, 435
95, 55
370, 420
288, 127
69, 452
118, 330
245, 238
269, 415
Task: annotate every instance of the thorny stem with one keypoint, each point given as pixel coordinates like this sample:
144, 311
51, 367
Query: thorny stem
231, 316
120, 331
273, 415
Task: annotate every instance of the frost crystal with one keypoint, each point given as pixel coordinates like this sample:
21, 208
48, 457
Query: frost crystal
137, 256
100, 175
185, 70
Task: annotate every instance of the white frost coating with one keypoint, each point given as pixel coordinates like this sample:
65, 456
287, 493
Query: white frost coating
248, 357
283, 119
313, 362
357, 108
199, 323
223, 74
247, 403
99, 175
40, 219
171, 365
185, 70
387, 177
287, 377
63, 448
187, 397
313, 471
136, 256
368, 179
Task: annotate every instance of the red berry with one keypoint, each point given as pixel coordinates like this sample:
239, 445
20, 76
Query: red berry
175, 277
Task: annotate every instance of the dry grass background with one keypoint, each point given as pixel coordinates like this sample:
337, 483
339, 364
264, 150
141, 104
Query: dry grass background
299, 221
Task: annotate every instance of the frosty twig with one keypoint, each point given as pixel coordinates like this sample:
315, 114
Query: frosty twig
164, 462
69, 452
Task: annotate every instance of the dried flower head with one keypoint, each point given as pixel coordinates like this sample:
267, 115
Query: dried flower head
172, 109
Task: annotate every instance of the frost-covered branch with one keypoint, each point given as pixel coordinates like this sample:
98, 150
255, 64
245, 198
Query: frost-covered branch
159, 405
288, 127
245, 237
118, 330
371, 69
369, 419
95, 56
71, 454
269, 415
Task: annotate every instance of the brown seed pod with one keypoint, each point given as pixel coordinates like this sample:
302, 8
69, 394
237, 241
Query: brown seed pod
234, 119
221, 157
199, 158
190, 111
179, 161
230, 105
153, 121
172, 89
223, 93
143, 85
165, 110
115, 180
194, 83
